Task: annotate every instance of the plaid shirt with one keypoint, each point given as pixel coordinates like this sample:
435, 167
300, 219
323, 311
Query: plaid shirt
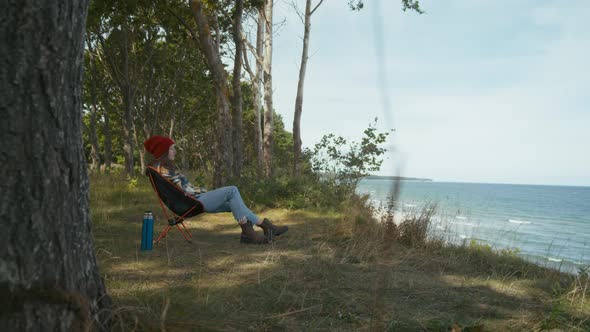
179, 180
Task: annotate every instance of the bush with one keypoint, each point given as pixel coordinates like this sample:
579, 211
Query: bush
331, 172
345, 163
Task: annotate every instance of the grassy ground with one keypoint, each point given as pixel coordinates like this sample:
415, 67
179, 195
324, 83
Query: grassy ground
331, 271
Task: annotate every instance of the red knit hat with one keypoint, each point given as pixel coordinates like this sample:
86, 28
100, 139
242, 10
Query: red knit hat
158, 145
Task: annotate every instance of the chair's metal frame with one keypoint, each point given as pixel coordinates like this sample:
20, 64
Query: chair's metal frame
176, 220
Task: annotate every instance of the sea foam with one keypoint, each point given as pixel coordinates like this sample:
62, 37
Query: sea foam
462, 223
554, 259
522, 222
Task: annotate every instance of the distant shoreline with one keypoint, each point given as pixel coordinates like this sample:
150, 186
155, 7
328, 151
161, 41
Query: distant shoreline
395, 178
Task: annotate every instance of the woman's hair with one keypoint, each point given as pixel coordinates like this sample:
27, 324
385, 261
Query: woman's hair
163, 161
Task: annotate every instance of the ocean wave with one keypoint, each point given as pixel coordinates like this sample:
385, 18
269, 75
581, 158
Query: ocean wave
520, 222
461, 217
463, 236
409, 205
554, 259
462, 223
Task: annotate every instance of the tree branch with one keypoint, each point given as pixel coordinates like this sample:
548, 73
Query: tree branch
316, 7
185, 24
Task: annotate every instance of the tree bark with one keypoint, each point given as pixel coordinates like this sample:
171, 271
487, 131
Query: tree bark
108, 145
49, 278
256, 81
127, 91
171, 131
140, 151
223, 150
300, 83
267, 68
237, 91
257, 93
94, 148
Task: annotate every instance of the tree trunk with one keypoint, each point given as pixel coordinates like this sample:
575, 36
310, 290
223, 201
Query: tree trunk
237, 90
108, 145
128, 109
171, 131
223, 150
267, 67
49, 278
257, 94
183, 159
299, 98
140, 151
94, 148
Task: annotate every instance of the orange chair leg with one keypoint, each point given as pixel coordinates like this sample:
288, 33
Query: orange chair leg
186, 229
164, 233
183, 233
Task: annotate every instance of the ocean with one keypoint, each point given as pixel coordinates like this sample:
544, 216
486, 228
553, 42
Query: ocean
549, 225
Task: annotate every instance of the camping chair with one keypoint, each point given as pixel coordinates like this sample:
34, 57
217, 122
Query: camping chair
181, 205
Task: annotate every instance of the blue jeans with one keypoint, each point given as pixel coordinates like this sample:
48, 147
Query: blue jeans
226, 199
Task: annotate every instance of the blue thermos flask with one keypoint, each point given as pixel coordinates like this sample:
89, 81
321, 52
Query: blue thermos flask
147, 231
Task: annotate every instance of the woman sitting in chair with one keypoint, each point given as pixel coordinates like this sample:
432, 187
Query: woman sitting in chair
226, 199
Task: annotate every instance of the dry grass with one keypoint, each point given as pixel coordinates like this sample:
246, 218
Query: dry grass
332, 271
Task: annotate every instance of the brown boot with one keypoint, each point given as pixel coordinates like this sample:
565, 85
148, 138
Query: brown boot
270, 230
249, 235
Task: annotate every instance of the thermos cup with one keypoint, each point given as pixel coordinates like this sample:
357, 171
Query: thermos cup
147, 231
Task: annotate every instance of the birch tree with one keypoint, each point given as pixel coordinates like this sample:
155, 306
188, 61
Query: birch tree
306, 18
267, 76
237, 89
210, 49
256, 84
92, 77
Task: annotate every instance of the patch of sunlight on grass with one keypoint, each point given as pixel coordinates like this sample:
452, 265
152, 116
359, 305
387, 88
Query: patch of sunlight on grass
136, 266
121, 288
253, 266
511, 288
257, 258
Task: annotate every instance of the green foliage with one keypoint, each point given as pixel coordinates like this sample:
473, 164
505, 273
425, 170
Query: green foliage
345, 162
132, 184
480, 247
412, 5
483, 248
330, 172
356, 4
285, 192
406, 5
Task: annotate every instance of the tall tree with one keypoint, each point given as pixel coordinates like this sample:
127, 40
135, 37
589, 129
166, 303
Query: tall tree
237, 89
267, 76
210, 49
256, 85
120, 73
108, 150
92, 77
49, 277
306, 18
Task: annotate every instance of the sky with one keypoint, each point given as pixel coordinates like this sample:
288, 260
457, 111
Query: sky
492, 91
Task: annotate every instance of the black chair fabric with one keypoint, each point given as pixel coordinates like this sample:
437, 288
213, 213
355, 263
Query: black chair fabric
173, 197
